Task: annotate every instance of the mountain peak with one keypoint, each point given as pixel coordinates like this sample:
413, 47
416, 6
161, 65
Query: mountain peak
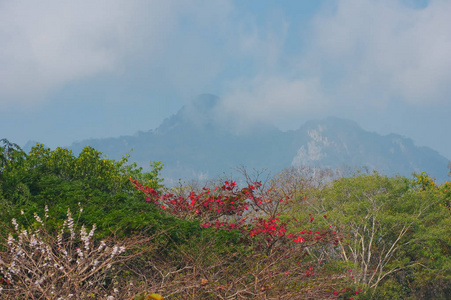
204, 102
332, 123
200, 112
202, 138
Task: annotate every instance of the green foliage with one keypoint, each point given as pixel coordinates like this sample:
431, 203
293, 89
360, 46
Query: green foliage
10, 153
59, 179
395, 231
100, 187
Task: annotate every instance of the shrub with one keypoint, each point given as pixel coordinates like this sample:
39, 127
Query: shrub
39, 265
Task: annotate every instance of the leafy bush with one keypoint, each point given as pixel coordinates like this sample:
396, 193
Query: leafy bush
59, 180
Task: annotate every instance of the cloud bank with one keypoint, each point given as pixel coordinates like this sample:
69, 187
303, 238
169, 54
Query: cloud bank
355, 54
48, 44
358, 55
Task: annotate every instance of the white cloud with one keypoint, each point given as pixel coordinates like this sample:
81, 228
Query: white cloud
359, 55
272, 98
46, 44
384, 50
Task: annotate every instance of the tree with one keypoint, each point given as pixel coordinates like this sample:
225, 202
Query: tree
60, 179
378, 217
10, 153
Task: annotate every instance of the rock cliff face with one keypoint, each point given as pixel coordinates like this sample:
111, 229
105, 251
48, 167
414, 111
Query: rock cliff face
336, 143
192, 144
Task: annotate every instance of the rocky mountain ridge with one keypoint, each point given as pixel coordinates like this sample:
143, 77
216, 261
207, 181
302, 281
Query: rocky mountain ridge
193, 145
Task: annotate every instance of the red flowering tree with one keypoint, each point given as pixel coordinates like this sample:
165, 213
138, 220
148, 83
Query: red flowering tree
251, 210
255, 213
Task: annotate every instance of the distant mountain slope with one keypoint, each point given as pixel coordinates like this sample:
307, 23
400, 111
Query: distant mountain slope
336, 142
193, 145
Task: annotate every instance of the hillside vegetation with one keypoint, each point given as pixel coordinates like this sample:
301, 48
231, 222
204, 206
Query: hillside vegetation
87, 227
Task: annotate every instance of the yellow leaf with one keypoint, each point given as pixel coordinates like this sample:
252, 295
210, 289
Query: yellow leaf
154, 297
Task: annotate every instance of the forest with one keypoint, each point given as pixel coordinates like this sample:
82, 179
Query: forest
88, 227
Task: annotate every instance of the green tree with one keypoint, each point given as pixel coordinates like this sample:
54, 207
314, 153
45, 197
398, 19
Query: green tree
59, 179
383, 220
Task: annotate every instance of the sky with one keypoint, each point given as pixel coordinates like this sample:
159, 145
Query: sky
72, 70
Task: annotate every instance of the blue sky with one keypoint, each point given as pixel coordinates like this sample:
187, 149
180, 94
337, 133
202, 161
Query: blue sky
72, 70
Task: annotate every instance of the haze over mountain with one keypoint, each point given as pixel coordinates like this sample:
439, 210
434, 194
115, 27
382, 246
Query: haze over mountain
71, 72
196, 143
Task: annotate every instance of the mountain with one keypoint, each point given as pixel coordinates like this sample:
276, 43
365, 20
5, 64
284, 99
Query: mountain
336, 142
193, 144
